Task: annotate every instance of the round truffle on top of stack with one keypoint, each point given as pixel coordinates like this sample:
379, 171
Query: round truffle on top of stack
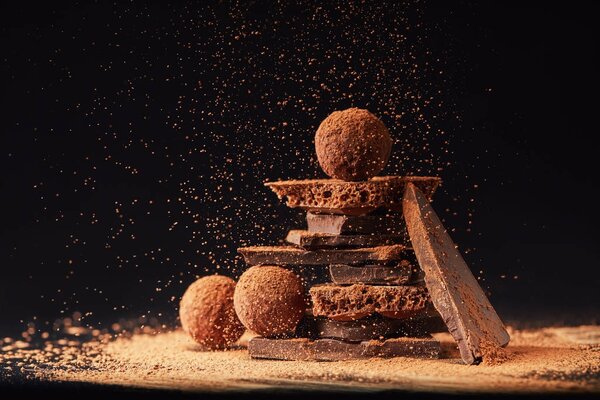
352, 145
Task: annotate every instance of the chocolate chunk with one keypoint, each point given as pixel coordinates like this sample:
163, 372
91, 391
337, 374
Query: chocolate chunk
373, 327
315, 240
372, 224
303, 349
290, 255
346, 303
454, 291
307, 328
351, 198
400, 274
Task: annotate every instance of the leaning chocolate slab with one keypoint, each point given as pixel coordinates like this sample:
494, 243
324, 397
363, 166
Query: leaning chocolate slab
352, 198
315, 240
346, 303
375, 224
455, 292
303, 349
290, 255
402, 273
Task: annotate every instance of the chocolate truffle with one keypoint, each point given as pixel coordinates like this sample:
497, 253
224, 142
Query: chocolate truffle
269, 300
207, 314
352, 145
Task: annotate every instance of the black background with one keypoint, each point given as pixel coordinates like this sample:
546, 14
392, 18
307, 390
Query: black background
135, 139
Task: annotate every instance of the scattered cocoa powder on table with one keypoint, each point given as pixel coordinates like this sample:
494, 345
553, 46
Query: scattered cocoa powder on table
542, 360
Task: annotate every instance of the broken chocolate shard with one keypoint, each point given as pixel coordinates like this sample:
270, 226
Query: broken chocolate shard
353, 198
372, 224
303, 349
454, 291
346, 303
400, 274
290, 255
316, 240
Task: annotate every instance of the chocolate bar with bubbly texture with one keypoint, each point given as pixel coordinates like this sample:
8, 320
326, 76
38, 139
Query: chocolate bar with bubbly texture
347, 303
335, 196
291, 255
398, 273
317, 240
371, 224
303, 349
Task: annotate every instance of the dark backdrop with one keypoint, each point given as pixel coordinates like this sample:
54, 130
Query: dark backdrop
135, 139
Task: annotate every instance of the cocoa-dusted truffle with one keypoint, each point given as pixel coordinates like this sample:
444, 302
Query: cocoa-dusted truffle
352, 145
269, 300
207, 314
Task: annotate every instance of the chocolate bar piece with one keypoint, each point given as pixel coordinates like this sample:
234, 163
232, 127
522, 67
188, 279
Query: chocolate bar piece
307, 327
290, 255
315, 240
303, 349
402, 273
346, 303
352, 198
373, 327
454, 291
336, 224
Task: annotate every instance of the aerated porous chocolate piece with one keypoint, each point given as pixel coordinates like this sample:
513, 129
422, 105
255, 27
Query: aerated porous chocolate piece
303, 349
455, 293
353, 198
290, 255
400, 274
346, 303
315, 240
336, 224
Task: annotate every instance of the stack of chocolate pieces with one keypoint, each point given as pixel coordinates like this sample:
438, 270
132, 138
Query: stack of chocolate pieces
376, 303
385, 291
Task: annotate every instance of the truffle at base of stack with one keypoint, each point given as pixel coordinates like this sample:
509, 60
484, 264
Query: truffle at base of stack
375, 304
